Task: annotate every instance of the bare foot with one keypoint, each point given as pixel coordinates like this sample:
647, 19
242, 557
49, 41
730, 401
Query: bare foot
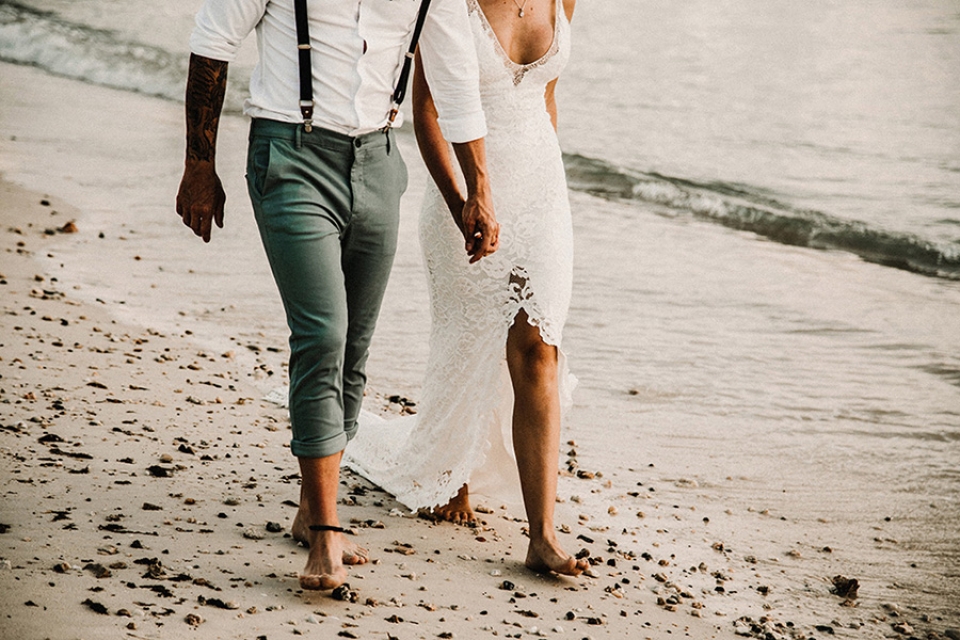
324, 569
353, 553
458, 510
546, 556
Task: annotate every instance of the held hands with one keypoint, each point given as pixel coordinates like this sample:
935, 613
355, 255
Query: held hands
479, 226
201, 198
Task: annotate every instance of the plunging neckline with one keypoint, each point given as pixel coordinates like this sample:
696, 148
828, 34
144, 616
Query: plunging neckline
558, 8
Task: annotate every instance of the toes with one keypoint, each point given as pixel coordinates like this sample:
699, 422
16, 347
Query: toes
572, 567
443, 515
460, 518
320, 582
356, 555
555, 563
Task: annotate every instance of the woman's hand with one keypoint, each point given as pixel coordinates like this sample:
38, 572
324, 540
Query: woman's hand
481, 231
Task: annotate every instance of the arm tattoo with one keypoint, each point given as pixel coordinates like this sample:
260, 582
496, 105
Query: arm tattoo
206, 87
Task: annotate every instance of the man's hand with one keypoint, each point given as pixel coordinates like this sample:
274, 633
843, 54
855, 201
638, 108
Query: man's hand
479, 225
201, 198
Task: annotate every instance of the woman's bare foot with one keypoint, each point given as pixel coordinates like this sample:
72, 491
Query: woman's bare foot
324, 569
458, 510
353, 553
546, 556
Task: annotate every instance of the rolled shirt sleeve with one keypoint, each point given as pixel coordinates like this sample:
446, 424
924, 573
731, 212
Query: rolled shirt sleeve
222, 25
450, 65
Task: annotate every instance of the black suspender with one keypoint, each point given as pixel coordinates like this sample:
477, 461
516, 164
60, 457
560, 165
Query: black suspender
401, 90
306, 69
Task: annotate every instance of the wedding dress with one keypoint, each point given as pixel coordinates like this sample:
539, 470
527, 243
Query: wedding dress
462, 431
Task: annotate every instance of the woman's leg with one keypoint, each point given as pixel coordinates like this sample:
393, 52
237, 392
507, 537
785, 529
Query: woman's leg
536, 441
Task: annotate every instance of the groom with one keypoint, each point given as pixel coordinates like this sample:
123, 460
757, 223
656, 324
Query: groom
326, 199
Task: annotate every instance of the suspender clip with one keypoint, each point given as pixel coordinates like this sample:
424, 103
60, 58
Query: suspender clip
391, 116
306, 110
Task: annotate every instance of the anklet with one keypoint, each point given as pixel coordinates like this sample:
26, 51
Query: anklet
326, 527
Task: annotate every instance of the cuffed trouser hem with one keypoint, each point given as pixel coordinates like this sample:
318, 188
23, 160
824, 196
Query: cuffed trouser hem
321, 449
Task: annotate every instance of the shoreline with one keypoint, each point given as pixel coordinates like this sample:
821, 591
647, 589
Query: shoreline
137, 399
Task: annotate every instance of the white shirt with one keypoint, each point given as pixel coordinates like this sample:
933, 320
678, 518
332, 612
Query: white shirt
358, 47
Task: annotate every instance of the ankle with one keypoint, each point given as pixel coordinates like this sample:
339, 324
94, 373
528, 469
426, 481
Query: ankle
541, 528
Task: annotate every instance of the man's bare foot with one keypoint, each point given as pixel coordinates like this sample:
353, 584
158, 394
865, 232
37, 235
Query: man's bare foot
546, 556
458, 510
324, 569
353, 553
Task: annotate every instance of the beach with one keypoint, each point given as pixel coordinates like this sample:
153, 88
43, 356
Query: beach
149, 490
148, 493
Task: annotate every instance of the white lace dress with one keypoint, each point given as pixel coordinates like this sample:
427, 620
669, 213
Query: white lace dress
462, 432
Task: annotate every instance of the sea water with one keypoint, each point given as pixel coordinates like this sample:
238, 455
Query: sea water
766, 202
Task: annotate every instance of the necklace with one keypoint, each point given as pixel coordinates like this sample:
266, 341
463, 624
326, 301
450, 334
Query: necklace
520, 6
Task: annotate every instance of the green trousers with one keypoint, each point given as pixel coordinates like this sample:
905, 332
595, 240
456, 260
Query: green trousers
327, 206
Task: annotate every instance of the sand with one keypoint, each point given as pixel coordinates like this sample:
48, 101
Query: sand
148, 492
147, 486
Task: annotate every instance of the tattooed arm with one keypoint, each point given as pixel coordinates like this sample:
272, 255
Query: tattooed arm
201, 197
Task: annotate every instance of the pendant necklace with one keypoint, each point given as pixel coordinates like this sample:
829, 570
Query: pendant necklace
520, 6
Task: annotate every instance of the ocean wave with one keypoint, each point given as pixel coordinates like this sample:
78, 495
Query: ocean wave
43, 39
739, 208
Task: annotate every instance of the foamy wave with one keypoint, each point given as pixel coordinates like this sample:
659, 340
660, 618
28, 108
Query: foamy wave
42, 39
737, 208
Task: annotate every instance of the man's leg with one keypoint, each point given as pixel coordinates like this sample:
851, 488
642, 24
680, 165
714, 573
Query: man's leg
301, 197
368, 244
378, 179
320, 478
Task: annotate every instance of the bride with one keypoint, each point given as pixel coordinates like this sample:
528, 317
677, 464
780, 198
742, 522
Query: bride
496, 378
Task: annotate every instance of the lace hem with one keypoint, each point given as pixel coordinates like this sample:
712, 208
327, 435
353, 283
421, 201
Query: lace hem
401, 456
